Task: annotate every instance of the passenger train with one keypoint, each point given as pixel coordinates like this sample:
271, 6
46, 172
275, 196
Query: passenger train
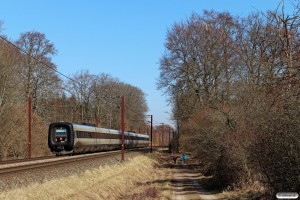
70, 138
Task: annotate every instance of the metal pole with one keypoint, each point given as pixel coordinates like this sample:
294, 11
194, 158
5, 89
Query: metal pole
29, 126
151, 133
169, 139
162, 134
96, 120
169, 134
123, 126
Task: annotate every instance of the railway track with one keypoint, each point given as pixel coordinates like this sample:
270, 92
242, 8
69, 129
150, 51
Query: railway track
16, 175
5, 162
8, 167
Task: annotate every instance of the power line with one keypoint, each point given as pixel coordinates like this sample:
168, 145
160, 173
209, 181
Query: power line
38, 60
55, 70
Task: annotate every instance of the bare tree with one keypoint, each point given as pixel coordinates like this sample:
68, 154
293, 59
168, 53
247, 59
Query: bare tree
234, 86
81, 91
107, 99
9, 91
9, 62
37, 77
200, 61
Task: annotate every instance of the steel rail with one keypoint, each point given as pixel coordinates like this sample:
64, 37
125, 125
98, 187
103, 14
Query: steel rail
11, 161
54, 162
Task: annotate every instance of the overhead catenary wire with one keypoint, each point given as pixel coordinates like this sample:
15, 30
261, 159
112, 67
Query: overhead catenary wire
77, 85
38, 60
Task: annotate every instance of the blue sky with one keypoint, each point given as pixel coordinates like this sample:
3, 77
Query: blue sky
123, 38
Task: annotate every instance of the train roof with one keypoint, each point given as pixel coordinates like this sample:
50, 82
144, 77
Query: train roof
92, 128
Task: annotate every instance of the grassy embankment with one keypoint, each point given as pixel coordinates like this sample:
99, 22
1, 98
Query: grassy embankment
133, 179
138, 178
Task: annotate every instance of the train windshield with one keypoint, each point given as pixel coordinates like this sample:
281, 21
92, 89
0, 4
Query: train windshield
60, 134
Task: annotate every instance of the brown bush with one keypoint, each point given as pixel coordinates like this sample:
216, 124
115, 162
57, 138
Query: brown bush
208, 136
13, 135
238, 100
275, 155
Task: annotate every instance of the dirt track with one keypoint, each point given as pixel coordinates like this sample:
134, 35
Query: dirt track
187, 185
185, 182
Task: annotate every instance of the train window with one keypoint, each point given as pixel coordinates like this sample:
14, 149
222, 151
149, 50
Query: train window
61, 134
84, 134
60, 131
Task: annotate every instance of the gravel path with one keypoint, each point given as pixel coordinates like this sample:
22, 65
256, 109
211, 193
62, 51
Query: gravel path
185, 184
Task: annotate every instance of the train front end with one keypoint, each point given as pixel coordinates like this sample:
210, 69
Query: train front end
61, 138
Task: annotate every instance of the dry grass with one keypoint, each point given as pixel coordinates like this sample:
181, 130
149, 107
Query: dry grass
139, 178
133, 179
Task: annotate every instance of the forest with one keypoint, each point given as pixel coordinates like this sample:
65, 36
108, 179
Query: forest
28, 74
234, 85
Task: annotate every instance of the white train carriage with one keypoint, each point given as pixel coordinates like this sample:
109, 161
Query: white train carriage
69, 138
